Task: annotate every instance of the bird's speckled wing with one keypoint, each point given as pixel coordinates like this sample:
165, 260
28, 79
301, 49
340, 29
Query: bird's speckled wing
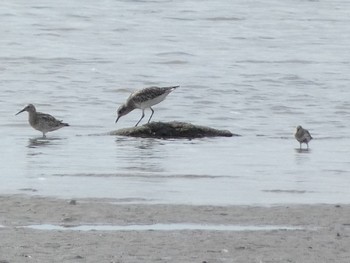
48, 120
146, 94
303, 136
307, 135
149, 94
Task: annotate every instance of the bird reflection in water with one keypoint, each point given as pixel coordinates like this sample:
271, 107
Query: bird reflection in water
147, 152
41, 142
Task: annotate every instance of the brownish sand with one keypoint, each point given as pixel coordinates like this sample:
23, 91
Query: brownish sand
324, 235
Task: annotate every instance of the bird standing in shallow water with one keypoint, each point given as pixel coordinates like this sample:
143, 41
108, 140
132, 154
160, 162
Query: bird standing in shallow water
143, 99
302, 136
41, 121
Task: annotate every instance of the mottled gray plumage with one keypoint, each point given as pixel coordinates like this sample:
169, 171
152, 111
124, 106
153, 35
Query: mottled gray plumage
143, 99
302, 136
41, 121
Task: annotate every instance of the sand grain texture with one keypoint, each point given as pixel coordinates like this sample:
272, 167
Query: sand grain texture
325, 234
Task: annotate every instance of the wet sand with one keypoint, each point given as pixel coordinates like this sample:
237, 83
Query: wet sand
321, 234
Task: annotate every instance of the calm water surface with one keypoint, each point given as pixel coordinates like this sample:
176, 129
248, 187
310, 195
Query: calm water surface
257, 68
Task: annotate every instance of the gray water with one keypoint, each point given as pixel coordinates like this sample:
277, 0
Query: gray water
164, 227
257, 68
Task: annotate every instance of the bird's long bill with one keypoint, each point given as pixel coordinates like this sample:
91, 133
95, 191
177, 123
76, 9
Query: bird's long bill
19, 112
117, 119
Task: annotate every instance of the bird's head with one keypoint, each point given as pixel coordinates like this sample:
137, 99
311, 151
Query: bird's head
122, 110
29, 108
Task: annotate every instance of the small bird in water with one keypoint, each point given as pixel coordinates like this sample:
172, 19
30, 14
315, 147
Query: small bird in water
143, 99
41, 121
303, 136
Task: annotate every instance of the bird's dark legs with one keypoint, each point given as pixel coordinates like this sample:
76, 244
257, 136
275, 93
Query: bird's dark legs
151, 115
44, 135
143, 115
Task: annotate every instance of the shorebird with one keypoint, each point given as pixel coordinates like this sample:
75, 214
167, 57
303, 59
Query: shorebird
41, 121
143, 99
303, 136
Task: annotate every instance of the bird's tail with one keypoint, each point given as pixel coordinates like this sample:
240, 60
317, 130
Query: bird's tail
65, 124
172, 87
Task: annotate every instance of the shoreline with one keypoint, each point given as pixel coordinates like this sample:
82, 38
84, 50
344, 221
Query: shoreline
319, 233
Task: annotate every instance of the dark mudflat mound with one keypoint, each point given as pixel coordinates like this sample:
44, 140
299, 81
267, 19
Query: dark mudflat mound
174, 129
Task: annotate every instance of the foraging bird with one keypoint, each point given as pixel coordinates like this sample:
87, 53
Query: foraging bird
41, 121
143, 99
303, 136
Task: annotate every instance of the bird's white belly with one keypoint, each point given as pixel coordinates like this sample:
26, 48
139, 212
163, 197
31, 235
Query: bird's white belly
149, 103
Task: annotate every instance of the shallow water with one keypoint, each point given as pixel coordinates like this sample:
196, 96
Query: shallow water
256, 68
162, 227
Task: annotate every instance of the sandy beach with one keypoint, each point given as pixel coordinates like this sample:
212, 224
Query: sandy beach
315, 233
254, 68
